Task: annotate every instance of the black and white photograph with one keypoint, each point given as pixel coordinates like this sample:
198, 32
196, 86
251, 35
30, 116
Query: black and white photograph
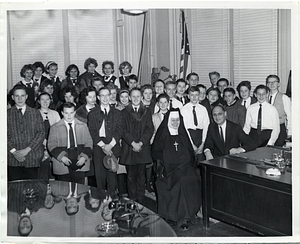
149, 121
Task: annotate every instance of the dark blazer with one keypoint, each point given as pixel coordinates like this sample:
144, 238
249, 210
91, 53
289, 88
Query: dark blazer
235, 137
86, 79
123, 83
206, 104
113, 127
136, 127
67, 82
82, 113
186, 99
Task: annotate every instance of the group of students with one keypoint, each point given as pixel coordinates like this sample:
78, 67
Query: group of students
173, 124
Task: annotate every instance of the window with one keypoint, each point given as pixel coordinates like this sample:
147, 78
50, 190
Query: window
255, 45
209, 42
40, 35
91, 35
36, 35
252, 55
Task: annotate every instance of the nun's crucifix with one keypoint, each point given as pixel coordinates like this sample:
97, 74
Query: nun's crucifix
176, 145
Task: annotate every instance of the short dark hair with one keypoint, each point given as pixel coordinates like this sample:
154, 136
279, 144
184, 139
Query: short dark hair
193, 89
133, 77
261, 87
89, 61
134, 89
229, 89
70, 214
26, 67
18, 87
245, 83
103, 88
170, 82
39, 64
214, 73
70, 67
159, 80
85, 92
223, 79
213, 89
97, 78
67, 105
190, 74
273, 76
112, 86
201, 86
67, 89
111, 63
45, 83
163, 95
123, 65
145, 87
181, 80
42, 94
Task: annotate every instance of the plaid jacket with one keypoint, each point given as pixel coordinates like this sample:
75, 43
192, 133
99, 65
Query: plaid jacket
25, 131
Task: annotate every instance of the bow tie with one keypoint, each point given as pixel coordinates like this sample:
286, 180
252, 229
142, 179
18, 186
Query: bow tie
36, 79
106, 77
28, 84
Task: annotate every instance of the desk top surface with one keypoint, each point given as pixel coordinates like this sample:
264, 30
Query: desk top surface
54, 220
250, 163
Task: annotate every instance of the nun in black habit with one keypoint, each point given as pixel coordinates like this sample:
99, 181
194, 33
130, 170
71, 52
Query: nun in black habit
178, 186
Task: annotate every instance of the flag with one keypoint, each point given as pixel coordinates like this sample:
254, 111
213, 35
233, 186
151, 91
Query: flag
289, 86
185, 57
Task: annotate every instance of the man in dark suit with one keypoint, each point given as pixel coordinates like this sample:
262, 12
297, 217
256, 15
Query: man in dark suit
225, 137
137, 132
105, 125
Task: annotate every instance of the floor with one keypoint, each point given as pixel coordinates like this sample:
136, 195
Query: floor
218, 229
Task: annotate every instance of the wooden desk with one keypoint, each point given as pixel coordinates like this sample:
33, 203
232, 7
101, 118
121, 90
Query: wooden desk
236, 191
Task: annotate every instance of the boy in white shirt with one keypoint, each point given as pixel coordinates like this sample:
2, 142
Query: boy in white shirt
196, 121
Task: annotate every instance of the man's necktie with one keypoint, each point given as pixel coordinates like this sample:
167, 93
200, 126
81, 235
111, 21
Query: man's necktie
46, 123
259, 120
20, 109
71, 136
195, 116
72, 189
221, 134
135, 109
244, 103
171, 105
105, 112
181, 100
270, 100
